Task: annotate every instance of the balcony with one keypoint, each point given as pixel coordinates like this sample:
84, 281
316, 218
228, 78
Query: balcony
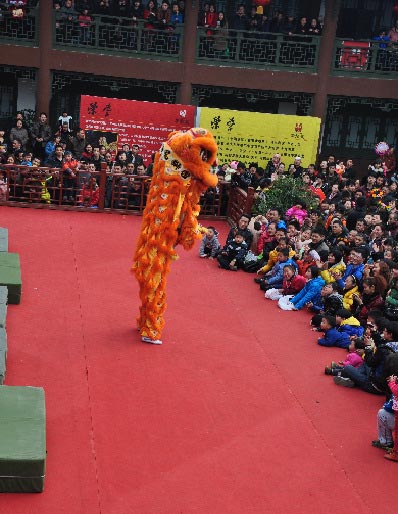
257, 50
228, 48
19, 27
367, 57
117, 36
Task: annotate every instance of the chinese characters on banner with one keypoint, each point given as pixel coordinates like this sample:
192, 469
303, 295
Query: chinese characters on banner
113, 122
255, 137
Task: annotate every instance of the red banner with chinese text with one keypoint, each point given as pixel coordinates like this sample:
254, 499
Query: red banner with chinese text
114, 122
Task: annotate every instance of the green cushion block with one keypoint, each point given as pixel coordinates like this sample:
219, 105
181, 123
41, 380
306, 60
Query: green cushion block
22, 439
3, 239
10, 275
3, 305
3, 354
14, 299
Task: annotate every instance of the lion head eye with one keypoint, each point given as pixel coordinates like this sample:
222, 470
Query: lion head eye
204, 154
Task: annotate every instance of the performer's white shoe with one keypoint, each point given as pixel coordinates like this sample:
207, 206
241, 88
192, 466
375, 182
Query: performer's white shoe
145, 339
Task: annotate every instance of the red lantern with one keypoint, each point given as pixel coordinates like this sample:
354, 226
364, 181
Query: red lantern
262, 2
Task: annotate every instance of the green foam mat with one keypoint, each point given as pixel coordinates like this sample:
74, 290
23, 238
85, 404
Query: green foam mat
3, 239
22, 439
10, 276
3, 354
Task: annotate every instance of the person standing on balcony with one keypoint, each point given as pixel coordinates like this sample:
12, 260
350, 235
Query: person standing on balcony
393, 34
137, 12
314, 28
176, 17
103, 8
150, 15
164, 15
210, 20
41, 135
85, 21
302, 27
277, 22
202, 17
239, 20
121, 9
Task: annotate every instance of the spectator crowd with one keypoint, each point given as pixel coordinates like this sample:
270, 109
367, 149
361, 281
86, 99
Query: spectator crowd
61, 166
337, 260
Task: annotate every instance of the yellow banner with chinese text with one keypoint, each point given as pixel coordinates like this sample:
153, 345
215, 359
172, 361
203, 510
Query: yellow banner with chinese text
256, 137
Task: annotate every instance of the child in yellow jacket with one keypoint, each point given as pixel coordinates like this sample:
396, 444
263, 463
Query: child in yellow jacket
273, 255
349, 292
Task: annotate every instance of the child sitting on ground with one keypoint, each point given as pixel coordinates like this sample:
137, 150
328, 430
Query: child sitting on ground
292, 284
309, 294
348, 323
332, 336
350, 292
334, 263
354, 358
233, 254
331, 302
305, 262
274, 278
273, 255
210, 245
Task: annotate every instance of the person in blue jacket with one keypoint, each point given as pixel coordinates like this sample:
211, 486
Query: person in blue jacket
348, 323
354, 268
332, 336
308, 295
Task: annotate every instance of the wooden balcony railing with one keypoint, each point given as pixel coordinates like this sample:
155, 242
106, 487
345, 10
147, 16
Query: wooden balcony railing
103, 191
366, 57
257, 49
19, 25
118, 36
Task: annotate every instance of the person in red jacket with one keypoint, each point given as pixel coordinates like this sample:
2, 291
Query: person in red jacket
292, 284
69, 169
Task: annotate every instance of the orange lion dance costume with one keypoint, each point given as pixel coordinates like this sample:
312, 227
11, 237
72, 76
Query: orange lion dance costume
181, 172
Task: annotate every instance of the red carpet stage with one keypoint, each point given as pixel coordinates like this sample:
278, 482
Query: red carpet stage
233, 414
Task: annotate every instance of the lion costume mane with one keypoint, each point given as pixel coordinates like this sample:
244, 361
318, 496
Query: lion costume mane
181, 172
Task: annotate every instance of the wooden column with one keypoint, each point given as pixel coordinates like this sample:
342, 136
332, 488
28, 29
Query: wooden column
189, 49
326, 57
45, 28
